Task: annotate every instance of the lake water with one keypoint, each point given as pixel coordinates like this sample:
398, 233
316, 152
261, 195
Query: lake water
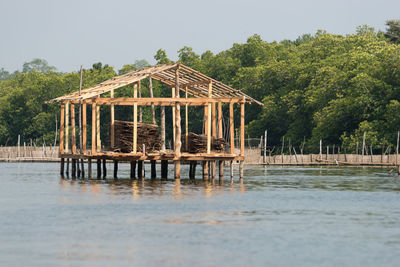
278, 216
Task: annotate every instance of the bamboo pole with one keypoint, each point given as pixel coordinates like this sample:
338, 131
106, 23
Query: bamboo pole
84, 126
232, 129
73, 130
67, 127
178, 143
62, 117
242, 128
209, 119
153, 113
186, 123
135, 92
94, 128
98, 140
112, 113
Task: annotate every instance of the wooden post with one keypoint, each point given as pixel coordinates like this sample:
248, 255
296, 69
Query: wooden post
115, 169
73, 131
214, 135
104, 168
73, 168
320, 149
363, 146
241, 168
134, 149
90, 168
140, 169
209, 119
133, 169
220, 135
98, 140
173, 118
242, 128
265, 146
162, 128
98, 168
178, 142
67, 172
112, 113
205, 170
94, 128
62, 167
153, 112
84, 126
221, 169
164, 169
205, 121
153, 169
231, 128
67, 126
397, 146
62, 117
186, 123
140, 107
231, 169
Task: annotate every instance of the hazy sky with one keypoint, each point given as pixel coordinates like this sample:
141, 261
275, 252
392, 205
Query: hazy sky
69, 33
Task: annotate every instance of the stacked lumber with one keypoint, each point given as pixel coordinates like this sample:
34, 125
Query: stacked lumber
197, 143
147, 134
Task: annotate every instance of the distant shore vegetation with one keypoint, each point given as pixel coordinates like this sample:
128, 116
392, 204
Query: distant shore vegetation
319, 86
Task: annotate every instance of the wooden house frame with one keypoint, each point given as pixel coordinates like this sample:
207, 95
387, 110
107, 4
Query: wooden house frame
199, 89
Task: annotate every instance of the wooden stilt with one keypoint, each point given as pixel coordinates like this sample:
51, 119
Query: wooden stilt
67, 126
115, 169
221, 169
112, 114
84, 129
133, 169
178, 142
241, 165
98, 168
78, 168
231, 128
162, 128
73, 171
82, 168
134, 148
140, 169
153, 169
231, 169
90, 168
194, 170
67, 172
94, 128
205, 170
164, 169
62, 167
190, 169
104, 168
62, 118
214, 169
73, 130
98, 140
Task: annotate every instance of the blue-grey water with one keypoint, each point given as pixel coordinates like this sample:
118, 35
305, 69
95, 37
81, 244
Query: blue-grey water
277, 216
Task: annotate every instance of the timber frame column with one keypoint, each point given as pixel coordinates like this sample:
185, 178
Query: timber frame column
112, 121
98, 140
177, 141
220, 135
73, 130
84, 130
242, 103
67, 127
173, 118
135, 107
62, 118
94, 128
209, 118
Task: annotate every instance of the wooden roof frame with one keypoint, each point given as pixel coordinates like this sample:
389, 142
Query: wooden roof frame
195, 82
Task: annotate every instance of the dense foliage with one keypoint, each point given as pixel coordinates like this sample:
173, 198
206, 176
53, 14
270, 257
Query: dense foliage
321, 86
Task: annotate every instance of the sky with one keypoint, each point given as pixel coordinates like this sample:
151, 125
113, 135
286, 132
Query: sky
70, 33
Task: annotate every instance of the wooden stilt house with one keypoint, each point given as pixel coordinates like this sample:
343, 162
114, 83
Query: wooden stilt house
198, 89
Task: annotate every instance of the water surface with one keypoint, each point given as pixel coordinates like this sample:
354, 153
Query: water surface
280, 216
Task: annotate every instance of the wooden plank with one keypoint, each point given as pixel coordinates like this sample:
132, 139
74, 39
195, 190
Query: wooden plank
112, 111
231, 128
67, 127
134, 149
84, 126
73, 130
98, 140
160, 101
242, 129
62, 118
94, 128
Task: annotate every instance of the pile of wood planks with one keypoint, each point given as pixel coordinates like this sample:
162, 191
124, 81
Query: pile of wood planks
148, 136
197, 143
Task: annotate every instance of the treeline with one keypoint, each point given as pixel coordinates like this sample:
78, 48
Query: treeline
321, 86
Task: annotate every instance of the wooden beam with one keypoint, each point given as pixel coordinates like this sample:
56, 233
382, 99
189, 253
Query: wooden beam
94, 128
62, 118
73, 130
209, 119
84, 129
242, 129
67, 127
231, 128
134, 148
160, 101
112, 113
98, 140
